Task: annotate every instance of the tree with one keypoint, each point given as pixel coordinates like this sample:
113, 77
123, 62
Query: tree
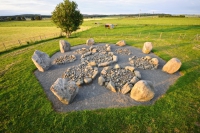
38, 18
67, 17
32, 18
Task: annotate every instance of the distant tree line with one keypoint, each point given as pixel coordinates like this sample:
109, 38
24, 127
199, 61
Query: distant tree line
169, 15
24, 17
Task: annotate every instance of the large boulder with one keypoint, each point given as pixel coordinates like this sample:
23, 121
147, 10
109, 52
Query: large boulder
111, 86
64, 90
147, 47
121, 43
172, 66
142, 91
41, 60
64, 46
90, 42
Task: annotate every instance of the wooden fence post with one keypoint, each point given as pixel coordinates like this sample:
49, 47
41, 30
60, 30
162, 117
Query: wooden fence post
19, 42
4, 46
139, 34
160, 35
172, 35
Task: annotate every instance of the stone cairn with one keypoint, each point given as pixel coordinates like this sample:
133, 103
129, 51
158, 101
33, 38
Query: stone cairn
81, 74
64, 59
144, 62
119, 79
123, 51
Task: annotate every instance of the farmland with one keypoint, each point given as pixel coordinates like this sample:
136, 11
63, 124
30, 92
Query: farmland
25, 107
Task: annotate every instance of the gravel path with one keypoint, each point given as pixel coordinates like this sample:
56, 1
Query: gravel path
93, 96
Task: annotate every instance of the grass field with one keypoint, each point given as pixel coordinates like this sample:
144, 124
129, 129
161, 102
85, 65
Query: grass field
25, 107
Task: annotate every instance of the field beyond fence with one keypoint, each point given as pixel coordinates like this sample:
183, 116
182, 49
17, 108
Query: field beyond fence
4, 46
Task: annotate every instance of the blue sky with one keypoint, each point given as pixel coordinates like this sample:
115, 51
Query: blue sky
45, 7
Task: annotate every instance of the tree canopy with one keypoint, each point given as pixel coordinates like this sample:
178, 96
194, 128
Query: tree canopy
67, 17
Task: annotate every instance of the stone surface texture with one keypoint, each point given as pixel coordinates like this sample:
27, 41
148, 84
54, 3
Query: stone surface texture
148, 46
64, 46
64, 90
142, 91
41, 60
64, 59
172, 66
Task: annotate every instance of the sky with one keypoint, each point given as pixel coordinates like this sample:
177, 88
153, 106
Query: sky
45, 7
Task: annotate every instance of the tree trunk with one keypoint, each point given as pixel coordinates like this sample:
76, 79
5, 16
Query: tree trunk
68, 34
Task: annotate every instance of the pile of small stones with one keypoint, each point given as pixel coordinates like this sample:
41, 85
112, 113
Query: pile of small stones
105, 48
144, 62
64, 59
81, 73
99, 58
119, 79
123, 51
81, 51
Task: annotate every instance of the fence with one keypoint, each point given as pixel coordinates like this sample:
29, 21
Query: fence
26, 41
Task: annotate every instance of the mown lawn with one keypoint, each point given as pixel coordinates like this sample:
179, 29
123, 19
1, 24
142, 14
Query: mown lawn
25, 107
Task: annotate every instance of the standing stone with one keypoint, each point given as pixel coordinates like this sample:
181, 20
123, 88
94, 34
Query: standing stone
90, 42
172, 66
142, 91
125, 89
137, 74
87, 80
41, 60
134, 80
101, 80
147, 47
155, 61
64, 90
111, 86
121, 43
64, 46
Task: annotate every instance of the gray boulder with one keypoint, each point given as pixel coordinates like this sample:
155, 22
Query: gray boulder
64, 46
64, 90
142, 91
41, 60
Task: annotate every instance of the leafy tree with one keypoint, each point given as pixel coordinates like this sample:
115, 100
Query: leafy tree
23, 18
32, 18
18, 18
67, 17
38, 18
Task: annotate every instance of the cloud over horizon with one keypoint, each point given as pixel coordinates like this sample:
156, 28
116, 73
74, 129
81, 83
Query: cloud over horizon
45, 7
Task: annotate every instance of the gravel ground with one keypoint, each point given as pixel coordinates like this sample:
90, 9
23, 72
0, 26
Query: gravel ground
93, 96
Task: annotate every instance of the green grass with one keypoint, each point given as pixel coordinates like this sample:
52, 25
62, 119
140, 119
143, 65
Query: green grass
25, 107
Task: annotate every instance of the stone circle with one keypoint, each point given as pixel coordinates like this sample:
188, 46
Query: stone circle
64, 59
144, 62
123, 51
81, 74
117, 78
